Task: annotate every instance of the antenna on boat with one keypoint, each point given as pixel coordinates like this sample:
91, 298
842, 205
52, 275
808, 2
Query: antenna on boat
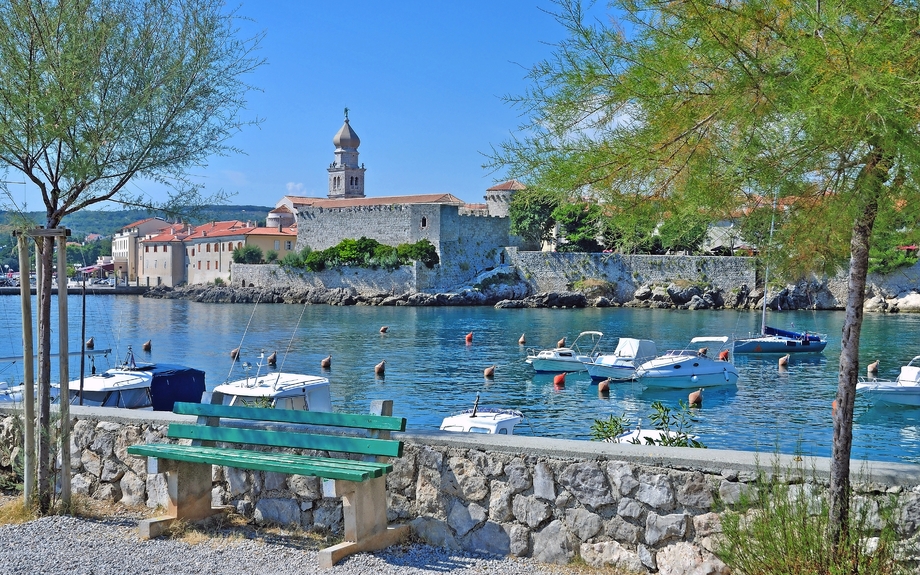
475, 405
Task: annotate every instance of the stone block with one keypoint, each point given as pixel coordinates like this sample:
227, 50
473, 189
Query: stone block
133, 489
277, 511
587, 483
655, 490
519, 478
519, 545
435, 532
462, 479
500, 502
464, 518
553, 544
492, 538
544, 485
582, 523
659, 528
684, 558
530, 511
610, 553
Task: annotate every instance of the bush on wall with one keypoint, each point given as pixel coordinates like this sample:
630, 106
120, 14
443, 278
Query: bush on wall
363, 252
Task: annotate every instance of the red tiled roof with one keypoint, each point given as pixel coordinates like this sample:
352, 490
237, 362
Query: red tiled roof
144, 221
509, 186
286, 231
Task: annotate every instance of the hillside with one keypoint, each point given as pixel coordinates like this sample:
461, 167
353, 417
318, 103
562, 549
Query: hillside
106, 223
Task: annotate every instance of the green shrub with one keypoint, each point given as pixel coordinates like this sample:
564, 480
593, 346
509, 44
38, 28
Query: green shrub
291, 260
219, 281
271, 256
315, 262
778, 528
247, 254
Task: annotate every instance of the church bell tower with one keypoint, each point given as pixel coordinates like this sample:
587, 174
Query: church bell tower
346, 176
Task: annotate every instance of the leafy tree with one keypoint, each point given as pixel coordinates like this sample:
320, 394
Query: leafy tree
421, 251
271, 256
578, 226
248, 254
713, 103
684, 230
96, 93
531, 214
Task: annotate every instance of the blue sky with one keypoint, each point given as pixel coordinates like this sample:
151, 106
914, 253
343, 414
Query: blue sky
422, 80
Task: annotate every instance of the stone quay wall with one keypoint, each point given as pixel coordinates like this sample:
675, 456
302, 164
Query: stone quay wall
643, 508
559, 271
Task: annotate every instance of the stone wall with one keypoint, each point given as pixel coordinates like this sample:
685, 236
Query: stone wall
644, 508
558, 272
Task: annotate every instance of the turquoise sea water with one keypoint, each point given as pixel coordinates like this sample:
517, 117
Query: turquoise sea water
431, 371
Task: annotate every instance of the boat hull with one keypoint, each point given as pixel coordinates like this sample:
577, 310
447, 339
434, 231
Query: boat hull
557, 365
780, 345
890, 393
686, 373
600, 372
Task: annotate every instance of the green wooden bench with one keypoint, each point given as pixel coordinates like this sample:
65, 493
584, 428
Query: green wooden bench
226, 435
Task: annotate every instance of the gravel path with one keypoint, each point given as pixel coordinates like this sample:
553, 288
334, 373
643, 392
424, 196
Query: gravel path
76, 546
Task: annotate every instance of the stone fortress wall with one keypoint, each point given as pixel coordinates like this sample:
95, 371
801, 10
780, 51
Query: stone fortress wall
642, 508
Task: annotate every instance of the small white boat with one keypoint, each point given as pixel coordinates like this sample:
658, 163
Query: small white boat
486, 420
275, 389
903, 391
133, 385
567, 359
621, 364
693, 367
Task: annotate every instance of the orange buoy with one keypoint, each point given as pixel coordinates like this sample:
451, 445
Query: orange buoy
560, 343
469, 337
326, 362
559, 380
703, 351
784, 361
384, 329
695, 399
489, 371
273, 359
872, 368
723, 355
380, 368
522, 340
234, 353
91, 343
603, 387
146, 346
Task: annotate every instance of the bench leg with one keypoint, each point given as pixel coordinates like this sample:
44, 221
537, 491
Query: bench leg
188, 487
364, 506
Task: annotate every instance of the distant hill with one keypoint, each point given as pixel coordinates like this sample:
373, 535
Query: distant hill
107, 223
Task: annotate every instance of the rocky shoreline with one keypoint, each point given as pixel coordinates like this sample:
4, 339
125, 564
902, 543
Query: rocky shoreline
802, 296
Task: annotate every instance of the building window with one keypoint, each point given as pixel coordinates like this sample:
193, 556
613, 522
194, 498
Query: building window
208, 247
146, 249
199, 264
424, 223
209, 264
288, 245
277, 245
164, 249
193, 252
239, 245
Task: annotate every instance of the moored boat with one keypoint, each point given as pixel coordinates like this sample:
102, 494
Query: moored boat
774, 340
567, 359
488, 420
621, 364
692, 367
905, 390
276, 389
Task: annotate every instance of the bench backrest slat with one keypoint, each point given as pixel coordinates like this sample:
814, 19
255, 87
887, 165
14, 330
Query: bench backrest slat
293, 439
355, 421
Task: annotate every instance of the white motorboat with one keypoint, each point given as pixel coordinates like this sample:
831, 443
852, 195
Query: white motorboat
133, 385
621, 364
275, 389
486, 420
693, 367
905, 390
567, 359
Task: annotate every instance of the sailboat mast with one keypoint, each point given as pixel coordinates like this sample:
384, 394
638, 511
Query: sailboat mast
766, 273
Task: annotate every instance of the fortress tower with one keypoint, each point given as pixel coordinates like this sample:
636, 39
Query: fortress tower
498, 198
346, 176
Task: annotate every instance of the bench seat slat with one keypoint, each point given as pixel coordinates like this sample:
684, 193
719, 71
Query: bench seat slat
266, 461
351, 420
337, 443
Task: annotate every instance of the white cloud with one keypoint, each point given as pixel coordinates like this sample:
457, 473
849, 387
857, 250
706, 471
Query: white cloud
294, 189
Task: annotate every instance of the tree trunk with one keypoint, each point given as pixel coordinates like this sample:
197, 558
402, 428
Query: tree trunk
872, 181
45, 459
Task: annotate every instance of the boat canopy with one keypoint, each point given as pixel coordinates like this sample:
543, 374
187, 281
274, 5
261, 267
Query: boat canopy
767, 330
721, 339
636, 348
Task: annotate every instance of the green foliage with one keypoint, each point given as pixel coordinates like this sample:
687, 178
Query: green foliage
531, 214
292, 260
608, 429
676, 427
421, 251
779, 528
578, 226
12, 475
314, 262
248, 254
684, 231
219, 282
271, 256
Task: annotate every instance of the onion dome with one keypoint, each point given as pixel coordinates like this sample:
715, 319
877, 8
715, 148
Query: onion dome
346, 137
